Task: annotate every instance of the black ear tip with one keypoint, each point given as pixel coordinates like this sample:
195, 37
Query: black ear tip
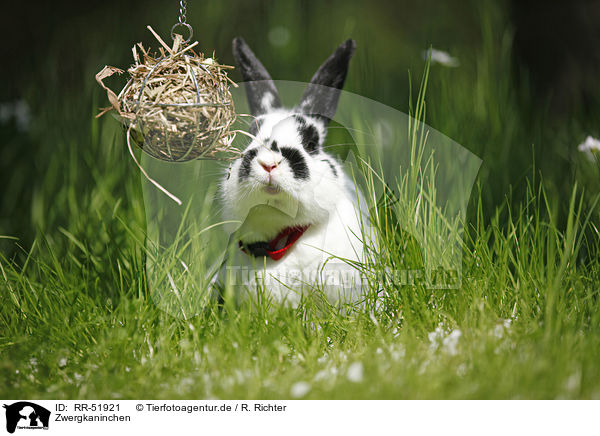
238, 42
349, 45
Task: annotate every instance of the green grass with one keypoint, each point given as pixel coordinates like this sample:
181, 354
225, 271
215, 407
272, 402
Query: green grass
78, 319
83, 328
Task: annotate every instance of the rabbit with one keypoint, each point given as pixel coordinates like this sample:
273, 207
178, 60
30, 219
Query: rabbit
302, 216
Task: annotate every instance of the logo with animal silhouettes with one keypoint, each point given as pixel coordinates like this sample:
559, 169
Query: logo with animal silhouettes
26, 415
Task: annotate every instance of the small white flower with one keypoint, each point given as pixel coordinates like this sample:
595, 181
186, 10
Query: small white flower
240, 377
397, 353
17, 110
450, 342
501, 328
573, 382
590, 147
62, 362
441, 57
322, 375
186, 383
435, 337
299, 389
355, 372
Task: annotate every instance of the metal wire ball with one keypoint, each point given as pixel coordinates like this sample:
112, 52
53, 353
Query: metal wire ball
178, 105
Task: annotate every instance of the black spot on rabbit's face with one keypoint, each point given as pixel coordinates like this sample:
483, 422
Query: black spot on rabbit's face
331, 166
308, 133
249, 156
296, 161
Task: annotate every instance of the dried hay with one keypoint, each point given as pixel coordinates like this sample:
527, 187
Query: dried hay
178, 106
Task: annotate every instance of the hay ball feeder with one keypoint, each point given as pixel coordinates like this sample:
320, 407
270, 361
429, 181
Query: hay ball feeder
177, 106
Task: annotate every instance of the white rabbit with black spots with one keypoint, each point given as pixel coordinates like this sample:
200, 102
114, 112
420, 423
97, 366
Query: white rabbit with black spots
300, 214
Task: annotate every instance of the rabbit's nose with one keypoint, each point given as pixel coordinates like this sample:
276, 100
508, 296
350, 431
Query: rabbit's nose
268, 166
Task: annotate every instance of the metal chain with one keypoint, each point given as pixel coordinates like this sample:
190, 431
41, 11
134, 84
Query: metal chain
182, 22
182, 12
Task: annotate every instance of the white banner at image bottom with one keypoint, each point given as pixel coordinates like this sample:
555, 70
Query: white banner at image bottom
299, 417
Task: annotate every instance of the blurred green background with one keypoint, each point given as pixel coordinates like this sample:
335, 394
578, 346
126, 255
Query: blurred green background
76, 320
522, 97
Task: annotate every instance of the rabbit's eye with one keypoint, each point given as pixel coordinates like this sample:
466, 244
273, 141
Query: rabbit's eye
296, 162
310, 139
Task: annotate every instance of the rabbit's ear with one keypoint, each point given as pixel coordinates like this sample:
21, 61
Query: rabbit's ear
260, 89
322, 95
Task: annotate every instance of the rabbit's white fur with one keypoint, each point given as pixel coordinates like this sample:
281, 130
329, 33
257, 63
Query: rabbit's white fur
285, 179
